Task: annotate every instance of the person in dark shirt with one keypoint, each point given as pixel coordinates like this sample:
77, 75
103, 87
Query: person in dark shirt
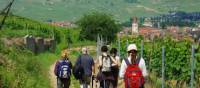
115, 67
87, 63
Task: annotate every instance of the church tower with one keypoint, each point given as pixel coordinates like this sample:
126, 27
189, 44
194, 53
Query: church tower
134, 25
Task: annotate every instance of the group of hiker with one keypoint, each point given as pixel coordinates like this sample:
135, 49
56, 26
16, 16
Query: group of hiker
110, 68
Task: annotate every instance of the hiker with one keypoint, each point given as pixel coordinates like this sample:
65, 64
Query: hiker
62, 70
133, 65
87, 64
115, 67
105, 75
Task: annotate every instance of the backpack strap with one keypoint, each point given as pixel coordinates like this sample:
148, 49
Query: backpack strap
100, 69
102, 57
62, 60
110, 60
78, 61
138, 60
128, 63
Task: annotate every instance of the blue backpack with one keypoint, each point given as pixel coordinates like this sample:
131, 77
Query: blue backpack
64, 70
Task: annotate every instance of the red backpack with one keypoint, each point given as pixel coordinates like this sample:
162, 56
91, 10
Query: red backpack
133, 77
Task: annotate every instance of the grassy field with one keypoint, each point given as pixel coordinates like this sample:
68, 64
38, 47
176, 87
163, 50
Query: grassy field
72, 10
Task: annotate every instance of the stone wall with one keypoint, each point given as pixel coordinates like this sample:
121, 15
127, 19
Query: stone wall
50, 45
30, 43
39, 45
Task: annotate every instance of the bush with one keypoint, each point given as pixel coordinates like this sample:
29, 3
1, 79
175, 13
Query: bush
96, 23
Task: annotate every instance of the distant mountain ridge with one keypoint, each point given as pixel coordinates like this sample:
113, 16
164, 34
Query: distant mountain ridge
72, 10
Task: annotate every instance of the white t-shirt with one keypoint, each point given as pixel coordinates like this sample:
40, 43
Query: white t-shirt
117, 59
142, 66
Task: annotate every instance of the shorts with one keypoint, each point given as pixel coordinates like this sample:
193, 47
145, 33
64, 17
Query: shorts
85, 79
63, 83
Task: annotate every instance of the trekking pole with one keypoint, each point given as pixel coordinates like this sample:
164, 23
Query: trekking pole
104, 84
163, 66
192, 68
92, 80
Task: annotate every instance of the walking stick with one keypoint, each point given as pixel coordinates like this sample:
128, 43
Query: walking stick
92, 80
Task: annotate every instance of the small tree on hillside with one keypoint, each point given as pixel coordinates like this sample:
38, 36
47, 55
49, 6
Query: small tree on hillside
96, 23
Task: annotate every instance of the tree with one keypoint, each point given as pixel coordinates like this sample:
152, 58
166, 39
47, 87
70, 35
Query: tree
96, 23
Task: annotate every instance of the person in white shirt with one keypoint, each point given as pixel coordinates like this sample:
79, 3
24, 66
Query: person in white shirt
132, 56
105, 64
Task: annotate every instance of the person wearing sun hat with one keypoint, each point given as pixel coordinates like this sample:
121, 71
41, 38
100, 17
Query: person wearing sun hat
133, 59
132, 56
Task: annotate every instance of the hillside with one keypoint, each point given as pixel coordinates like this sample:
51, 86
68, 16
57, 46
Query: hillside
72, 10
17, 59
20, 68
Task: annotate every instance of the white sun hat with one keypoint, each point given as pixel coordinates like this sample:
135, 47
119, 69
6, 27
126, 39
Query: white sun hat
131, 47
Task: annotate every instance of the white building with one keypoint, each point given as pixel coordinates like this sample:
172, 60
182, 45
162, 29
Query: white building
147, 23
134, 25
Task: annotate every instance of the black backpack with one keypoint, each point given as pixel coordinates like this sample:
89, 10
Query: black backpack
78, 70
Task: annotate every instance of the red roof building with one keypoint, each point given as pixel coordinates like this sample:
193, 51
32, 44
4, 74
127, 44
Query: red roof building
149, 32
62, 24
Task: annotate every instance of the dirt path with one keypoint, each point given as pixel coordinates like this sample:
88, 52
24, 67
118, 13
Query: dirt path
52, 76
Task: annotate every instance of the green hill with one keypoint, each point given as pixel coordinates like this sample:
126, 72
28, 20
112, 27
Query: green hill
122, 10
